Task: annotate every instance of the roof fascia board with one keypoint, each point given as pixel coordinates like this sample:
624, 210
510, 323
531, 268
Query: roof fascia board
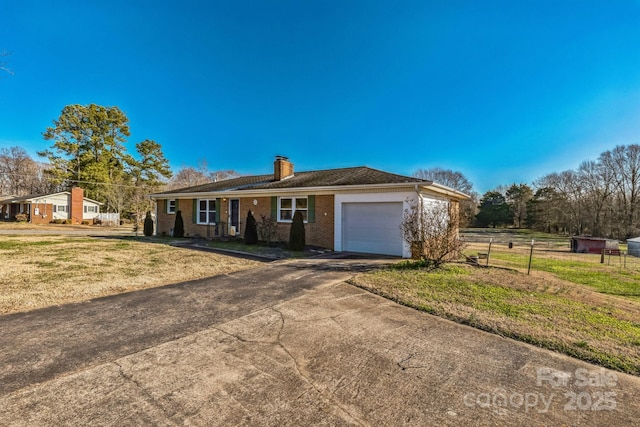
428, 187
44, 196
447, 191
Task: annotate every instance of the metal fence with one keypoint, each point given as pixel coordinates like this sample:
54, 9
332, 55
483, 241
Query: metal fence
526, 255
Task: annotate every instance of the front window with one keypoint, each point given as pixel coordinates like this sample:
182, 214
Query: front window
206, 211
171, 206
90, 209
60, 208
288, 206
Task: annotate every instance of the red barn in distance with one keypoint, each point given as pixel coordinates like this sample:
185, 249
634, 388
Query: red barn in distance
592, 245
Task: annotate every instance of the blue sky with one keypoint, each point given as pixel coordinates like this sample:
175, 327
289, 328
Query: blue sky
503, 91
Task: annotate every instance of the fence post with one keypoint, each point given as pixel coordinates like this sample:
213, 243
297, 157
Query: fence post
530, 256
602, 257
489, 251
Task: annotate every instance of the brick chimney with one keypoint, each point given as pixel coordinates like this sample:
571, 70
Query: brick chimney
77, 199
282, 168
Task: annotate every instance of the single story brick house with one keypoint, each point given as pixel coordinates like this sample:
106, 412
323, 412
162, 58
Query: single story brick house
356, 209
45, 208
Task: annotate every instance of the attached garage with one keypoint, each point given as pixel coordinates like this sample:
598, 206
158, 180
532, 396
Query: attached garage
372, 227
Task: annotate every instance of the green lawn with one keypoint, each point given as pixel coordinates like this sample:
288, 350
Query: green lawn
557, 313
584, 269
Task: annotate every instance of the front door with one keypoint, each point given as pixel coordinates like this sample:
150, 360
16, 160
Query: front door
234, 217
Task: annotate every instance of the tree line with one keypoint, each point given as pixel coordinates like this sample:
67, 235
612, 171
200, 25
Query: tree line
89, 151
599, 198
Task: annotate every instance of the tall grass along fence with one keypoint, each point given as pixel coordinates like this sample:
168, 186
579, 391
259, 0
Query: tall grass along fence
611, 272
530, 255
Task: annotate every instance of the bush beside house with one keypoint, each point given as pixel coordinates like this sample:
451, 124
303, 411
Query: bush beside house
251, 230
296, 236
148, 224
178, 228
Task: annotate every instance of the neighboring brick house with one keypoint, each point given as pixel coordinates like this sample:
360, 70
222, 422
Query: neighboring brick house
45, 208
355, 209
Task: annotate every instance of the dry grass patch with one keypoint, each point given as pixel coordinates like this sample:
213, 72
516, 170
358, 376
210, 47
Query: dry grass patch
40, 271
540, 309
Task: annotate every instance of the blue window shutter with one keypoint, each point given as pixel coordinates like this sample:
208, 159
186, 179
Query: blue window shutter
218, 209
194, 214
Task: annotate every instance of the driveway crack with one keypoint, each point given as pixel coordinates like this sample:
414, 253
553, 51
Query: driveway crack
148, 396
335, 403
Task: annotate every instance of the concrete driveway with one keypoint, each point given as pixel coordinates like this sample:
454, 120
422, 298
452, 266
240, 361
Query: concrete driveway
286, 344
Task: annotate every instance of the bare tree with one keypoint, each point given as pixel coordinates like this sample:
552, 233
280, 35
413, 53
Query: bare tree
117, 194
188, 176
597, 181
16, 169
431, 229
570, 195
624, 164
457, 181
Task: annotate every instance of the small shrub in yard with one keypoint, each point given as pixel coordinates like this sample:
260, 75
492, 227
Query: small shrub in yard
148, 224
268, 229
296, 235
178, 228
21, 217
85, 222
251, 230
412, 264
432, 231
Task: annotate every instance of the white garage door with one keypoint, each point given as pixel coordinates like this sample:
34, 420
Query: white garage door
372, 228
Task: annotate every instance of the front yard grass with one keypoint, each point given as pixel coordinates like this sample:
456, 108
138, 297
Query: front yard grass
40, 271
541, 309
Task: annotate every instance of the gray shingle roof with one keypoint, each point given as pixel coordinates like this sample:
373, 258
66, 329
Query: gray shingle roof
361, 175
28, 197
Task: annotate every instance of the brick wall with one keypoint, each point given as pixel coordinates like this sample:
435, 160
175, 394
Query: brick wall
282, 168
318, 233
77, 198
45, 213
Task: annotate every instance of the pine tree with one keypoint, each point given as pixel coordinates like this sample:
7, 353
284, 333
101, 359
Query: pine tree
148, 224
296, 235
178, 228
251, 230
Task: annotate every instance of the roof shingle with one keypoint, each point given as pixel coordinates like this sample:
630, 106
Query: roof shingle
361, 175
